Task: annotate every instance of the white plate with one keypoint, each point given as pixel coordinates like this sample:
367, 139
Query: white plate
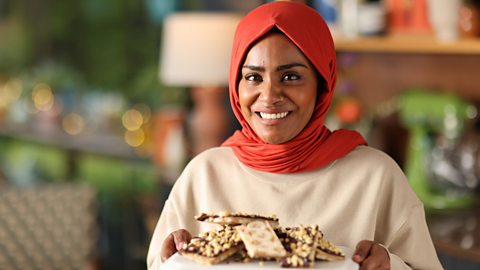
178, 262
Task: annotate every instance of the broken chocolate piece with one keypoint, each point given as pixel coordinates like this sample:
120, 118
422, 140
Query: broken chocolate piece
235, 218
327, 251
260, 240
214, 246
301, 244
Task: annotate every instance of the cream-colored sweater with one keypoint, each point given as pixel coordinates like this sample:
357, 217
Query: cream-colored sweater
362, 196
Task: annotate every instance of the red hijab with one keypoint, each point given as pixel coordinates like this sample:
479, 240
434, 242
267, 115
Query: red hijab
315, 146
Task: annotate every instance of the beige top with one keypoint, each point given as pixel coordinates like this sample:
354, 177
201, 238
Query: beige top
362, 196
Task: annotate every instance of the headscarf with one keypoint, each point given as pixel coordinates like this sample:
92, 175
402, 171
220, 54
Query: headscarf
315, 146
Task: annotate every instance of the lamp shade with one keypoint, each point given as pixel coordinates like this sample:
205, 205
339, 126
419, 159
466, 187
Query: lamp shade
196, 48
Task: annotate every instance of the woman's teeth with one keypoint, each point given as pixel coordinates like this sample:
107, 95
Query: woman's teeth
273, 115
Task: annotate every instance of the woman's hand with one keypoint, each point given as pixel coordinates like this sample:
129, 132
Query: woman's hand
174, 242
370, 255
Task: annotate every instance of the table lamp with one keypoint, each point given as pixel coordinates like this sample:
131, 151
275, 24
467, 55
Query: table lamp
196, 53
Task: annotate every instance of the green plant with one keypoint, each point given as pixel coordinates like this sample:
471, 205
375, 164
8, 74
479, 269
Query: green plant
148, 88
108, 42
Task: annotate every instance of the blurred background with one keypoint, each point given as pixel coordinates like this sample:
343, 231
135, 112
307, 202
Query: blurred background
103, 102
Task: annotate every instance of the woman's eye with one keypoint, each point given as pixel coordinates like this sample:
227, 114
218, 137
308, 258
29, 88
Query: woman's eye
253, 77
290, 77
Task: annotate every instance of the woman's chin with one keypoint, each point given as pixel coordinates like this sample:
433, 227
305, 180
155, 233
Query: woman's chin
275, 139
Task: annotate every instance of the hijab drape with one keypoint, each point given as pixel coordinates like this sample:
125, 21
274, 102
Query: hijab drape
315, 146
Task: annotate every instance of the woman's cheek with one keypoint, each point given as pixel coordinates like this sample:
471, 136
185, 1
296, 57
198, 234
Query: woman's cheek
245, 96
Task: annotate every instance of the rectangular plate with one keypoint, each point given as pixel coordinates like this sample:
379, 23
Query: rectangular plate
178, 262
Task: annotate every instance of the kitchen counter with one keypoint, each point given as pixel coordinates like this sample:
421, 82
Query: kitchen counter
456, 233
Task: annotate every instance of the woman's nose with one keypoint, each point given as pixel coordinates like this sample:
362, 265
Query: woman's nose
271, 92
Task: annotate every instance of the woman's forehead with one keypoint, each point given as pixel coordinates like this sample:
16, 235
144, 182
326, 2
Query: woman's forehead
275, 48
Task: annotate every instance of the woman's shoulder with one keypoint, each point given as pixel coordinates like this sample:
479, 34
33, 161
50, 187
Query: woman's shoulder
215, 154
206, 167
370, 163
215, 159
369, 156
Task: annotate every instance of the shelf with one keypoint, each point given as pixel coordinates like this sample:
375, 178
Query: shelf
98, 144
455, 250
456, 233
419, 45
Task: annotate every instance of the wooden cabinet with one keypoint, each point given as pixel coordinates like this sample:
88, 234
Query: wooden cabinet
381, 67
403, 45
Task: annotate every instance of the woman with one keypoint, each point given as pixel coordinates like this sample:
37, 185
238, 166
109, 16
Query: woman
286, 162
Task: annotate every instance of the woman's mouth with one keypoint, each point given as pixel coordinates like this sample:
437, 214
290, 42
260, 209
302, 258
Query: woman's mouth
273, 116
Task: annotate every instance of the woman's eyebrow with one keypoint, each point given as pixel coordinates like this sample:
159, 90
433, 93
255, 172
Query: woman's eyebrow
279, 68
287, 66
256, 68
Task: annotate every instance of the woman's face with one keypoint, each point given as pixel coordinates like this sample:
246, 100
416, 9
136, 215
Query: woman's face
277, 89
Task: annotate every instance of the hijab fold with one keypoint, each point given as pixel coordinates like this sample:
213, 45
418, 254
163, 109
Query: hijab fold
315, 146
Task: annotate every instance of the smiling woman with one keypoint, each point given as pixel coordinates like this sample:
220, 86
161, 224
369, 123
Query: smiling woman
285, 161
277, 89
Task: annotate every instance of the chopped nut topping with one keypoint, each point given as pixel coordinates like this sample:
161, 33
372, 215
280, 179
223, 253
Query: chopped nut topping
300, 243
303, 244
213, 243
